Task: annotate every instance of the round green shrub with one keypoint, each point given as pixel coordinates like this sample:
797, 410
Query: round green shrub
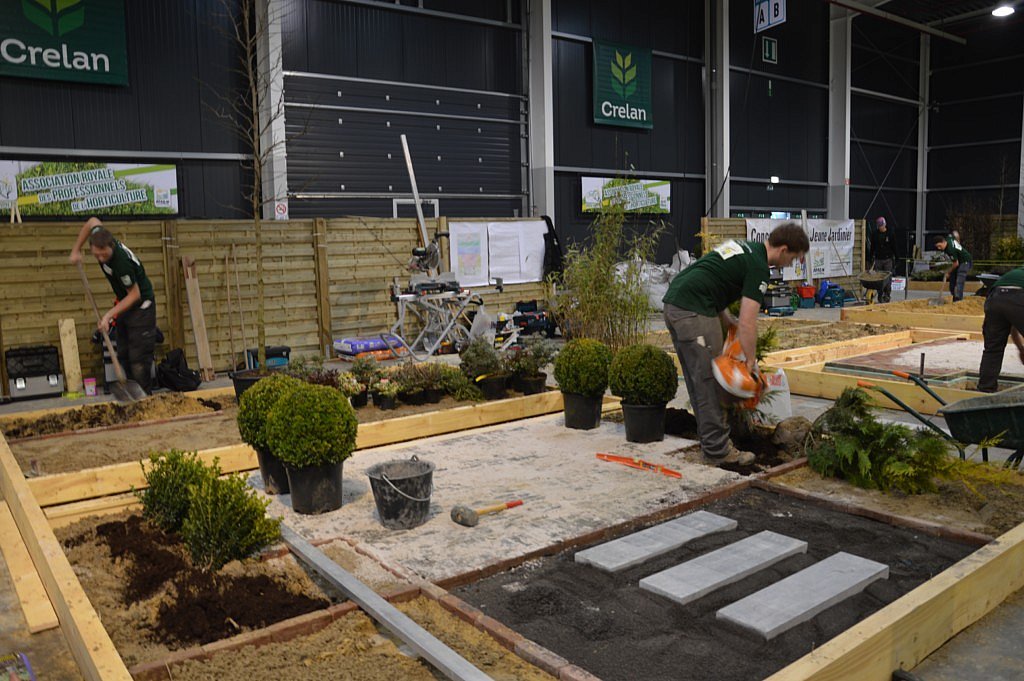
312, 426
582, 367
643, 375
170, 478
256, 404
226, 521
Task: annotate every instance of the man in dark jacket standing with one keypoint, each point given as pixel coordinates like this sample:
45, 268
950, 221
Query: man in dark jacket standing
883, 256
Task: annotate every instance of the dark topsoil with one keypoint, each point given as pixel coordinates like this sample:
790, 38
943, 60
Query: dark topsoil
607, 625
682, 423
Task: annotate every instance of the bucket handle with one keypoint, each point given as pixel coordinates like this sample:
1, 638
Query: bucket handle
411, 498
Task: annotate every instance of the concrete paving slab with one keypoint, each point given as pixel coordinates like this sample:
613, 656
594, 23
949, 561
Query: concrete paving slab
636, 548
801, 596
566, 492
695, 578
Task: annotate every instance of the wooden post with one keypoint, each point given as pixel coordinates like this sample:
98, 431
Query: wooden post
172, 283
195, 308
5, 388
69, 351
323, 286
704, 235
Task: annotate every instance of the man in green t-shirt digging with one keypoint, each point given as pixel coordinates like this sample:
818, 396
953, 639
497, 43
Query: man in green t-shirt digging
135, 308
957, 274
1004, 318
696, 307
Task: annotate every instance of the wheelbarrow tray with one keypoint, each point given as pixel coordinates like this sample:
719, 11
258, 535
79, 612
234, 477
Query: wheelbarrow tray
976, 419
874, 282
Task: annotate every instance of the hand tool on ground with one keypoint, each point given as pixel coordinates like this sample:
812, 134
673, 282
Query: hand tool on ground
731, 372
634, 462
470, 517
124, 390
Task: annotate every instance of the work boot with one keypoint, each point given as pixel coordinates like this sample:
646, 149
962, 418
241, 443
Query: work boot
735, 457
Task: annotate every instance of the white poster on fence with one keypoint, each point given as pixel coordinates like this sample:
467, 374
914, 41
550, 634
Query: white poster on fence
468, 252
516, 250
831, 252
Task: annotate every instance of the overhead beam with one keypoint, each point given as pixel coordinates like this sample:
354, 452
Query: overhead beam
897, 19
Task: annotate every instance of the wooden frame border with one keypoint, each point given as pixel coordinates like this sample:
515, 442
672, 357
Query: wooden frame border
877, 314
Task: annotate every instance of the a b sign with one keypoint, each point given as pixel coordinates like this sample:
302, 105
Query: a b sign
768, 13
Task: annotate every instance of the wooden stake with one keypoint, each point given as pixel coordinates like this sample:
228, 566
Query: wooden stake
241, 310
35, 604
5, 388
231, 317
195, 308
69, 351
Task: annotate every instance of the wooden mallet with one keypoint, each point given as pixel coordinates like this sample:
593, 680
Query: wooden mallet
470, 517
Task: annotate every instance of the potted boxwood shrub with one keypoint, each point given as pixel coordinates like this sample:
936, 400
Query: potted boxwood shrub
526, 361
482, 365
313, 430
645, 378
581, 370
253, 412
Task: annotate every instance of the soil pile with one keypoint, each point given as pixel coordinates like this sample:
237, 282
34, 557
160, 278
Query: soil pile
972, 305
162, 406
151, 600
759, 440
791, 337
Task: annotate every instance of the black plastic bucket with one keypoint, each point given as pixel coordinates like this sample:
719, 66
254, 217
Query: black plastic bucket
581, 412
644, 423
401, 490
275, 478
315, 489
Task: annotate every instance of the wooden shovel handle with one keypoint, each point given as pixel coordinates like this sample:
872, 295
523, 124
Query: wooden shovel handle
106, 338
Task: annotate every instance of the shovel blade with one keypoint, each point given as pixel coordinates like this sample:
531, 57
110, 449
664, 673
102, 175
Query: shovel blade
129, 391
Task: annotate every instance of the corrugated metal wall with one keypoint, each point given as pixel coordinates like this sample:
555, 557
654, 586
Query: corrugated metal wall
360, 76
676, 143
163, 108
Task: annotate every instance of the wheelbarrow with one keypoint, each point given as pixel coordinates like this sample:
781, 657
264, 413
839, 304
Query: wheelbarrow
874, 283
974, 420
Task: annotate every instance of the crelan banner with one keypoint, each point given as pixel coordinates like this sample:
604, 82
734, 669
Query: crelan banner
622, 86
77, 40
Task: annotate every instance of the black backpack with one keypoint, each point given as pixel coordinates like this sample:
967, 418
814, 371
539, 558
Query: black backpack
173, 373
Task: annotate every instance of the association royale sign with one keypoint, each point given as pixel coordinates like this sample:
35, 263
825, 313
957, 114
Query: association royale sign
79, 40
622, 86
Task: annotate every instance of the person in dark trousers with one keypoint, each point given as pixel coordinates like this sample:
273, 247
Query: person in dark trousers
957, 274
883, 256
1004, 318
135, 309
696, 307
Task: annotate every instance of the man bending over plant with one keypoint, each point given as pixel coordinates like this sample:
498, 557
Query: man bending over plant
696, 307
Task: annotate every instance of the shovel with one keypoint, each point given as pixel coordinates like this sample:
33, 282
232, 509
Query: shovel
124, 390
938, 300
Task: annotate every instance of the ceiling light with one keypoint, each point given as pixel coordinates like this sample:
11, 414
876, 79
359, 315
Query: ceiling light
774, 179
1002, 11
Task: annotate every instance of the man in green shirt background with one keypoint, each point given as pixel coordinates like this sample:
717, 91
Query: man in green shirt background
957, 274
135, 308
1004, 318
696, 307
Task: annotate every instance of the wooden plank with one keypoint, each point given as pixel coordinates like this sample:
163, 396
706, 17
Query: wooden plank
63, 488
195, 308
323, 285
88, 640
450, 663
90, 483
839, 349
909, 629
35, 604
811, 381
5, 388
172, 283
69, 352
877, 314
66, 514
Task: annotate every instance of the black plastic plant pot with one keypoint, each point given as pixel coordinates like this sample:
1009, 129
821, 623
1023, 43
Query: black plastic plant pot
433, 395
243, 380
359, 399
494, 387
529, 385
415, 398
384, 401
581, 412
401, 491
644, 423
315, 489
275, 478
